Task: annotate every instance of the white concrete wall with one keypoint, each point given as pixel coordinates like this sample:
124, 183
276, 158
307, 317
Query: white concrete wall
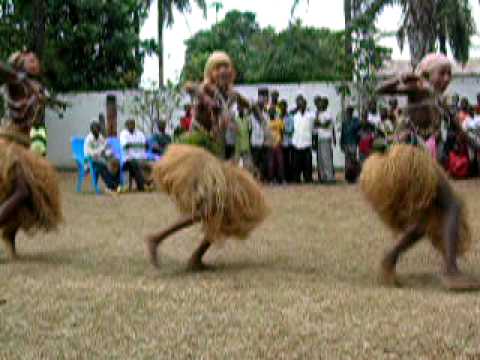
76, 121
86, 106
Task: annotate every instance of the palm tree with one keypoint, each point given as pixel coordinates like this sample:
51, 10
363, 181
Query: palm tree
217, 6
165, 17
428, 23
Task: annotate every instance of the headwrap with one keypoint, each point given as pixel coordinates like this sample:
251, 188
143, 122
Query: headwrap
431, 62
215, 59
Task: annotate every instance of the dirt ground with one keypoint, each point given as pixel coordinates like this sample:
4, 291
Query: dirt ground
304, 286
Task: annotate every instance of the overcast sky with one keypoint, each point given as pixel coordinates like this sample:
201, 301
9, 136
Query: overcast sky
320, 13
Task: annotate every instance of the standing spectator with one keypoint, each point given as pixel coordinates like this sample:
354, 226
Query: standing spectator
275, 165
95, 149
134, 144
477, 107
288, 127
454, 105
349, 144
242, 145
274, 102
326, 138
186, 120
258, 125
366, 136
373, 117
38, 137
463, 113
302, 141
394, 110
160, 140
230, 138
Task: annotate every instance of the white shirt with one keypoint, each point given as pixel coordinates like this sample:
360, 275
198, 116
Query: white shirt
374, 119
472, 124
257, 137
133, 145
303, 129
94, 148
326, 122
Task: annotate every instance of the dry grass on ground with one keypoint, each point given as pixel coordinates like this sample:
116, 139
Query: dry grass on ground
303, 287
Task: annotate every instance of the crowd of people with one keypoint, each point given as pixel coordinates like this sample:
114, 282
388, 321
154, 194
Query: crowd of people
295, 145
138, 152
277, 143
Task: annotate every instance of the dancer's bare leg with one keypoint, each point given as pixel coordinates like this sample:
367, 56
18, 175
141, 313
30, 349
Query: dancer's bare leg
195, 263
153, 241
407, 240
8, 239
12, 203
7, 210
452, 277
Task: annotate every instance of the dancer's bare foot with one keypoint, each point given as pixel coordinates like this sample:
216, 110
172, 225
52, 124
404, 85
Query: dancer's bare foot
196, 265
10, 249
151, 250
460, 282
388, 274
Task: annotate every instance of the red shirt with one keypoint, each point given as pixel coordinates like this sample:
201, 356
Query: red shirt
186, 123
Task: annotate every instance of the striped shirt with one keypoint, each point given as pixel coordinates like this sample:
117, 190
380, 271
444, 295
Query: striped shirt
133, 145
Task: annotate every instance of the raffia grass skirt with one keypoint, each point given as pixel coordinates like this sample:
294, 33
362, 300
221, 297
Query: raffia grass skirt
227, 198
42, 211
402, 186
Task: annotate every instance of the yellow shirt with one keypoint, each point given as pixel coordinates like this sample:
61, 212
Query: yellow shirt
277, 128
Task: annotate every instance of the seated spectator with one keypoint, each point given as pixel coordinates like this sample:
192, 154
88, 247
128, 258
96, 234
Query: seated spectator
160, 140
134, 147
463, 113
459, 161
102, 160
38, 137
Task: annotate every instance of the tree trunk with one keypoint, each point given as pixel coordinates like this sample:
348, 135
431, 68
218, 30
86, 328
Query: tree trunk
39, 19
421, 28
161, 21
347, 7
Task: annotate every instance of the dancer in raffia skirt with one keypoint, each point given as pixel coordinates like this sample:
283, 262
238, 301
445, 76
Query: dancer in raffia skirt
29, 191
409, 190
224, 198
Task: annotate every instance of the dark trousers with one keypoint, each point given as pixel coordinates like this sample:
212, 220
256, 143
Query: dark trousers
108, 178
276, 170
229, 151
288, 167
134, 169
259, 160
303, 164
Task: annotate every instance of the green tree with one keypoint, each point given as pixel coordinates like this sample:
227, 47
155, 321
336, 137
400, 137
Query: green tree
298, 53
84, 45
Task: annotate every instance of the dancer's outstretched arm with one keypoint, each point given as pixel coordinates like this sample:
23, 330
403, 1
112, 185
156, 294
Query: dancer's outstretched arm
8, 74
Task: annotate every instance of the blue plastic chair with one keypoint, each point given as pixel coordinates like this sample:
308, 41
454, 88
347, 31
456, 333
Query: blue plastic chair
150, 155
79, 156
